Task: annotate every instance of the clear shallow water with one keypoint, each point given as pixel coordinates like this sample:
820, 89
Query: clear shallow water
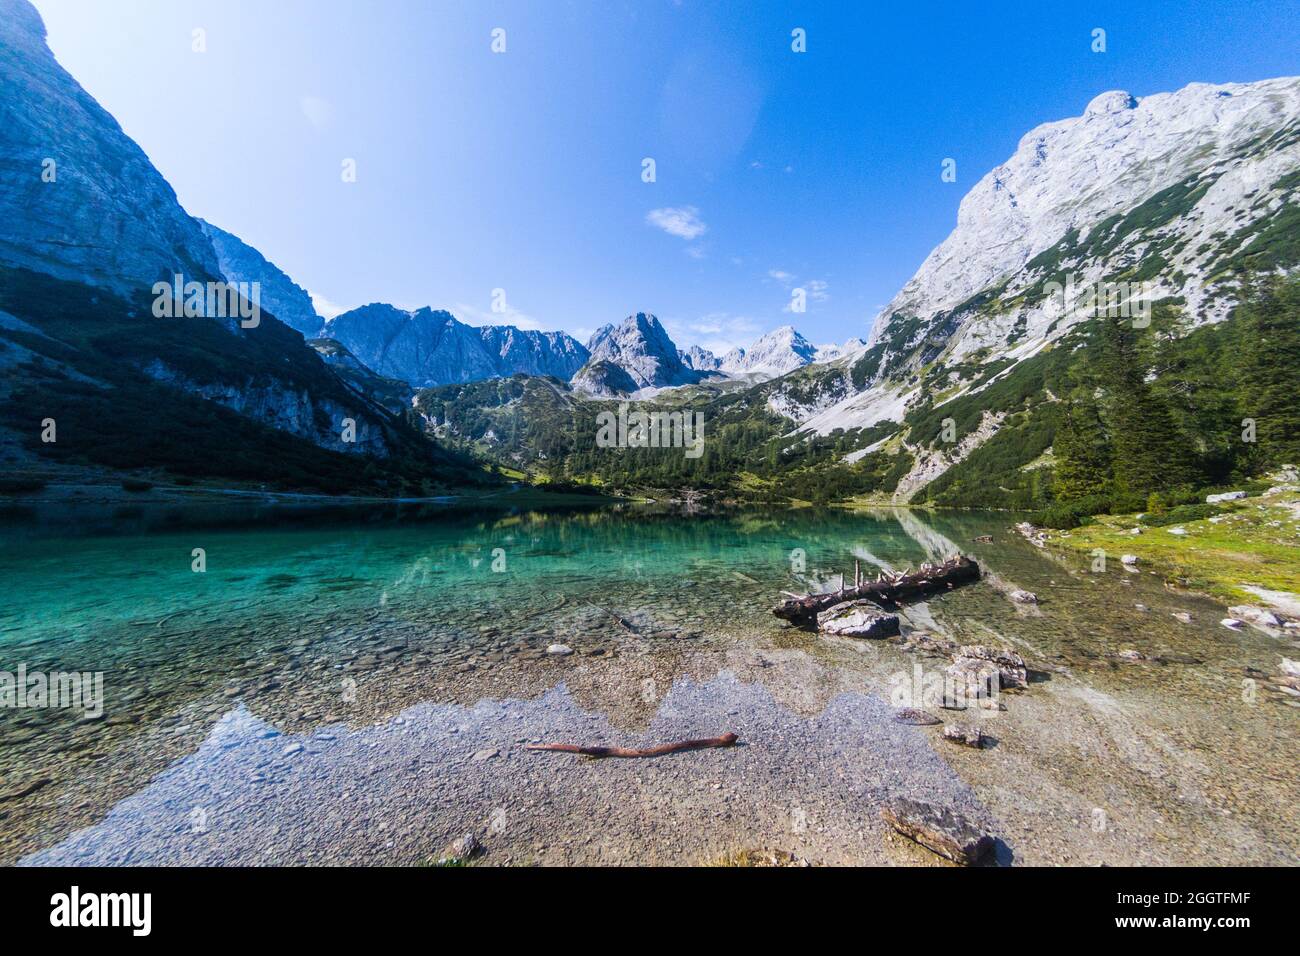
315, 618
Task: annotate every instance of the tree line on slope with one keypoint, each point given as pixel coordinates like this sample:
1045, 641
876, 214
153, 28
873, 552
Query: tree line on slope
1159, 423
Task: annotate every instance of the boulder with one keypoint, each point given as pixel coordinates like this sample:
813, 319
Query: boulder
1010, 665
972, 680
460, 851
941, 830
1023, 597
966, 736
1226, 496
857, 619
1255, 615
1130, 559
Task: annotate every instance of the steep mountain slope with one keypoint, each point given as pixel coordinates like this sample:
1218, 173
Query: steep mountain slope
85, 343
430, 347
128, 391
641, 350
78, 198
1164, 204
391, 393
280, 295
1214, 145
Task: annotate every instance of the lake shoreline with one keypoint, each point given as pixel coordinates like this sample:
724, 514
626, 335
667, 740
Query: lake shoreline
354, 671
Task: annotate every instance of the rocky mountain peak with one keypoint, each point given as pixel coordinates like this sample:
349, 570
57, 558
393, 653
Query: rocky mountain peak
780, 351
1115, 101
79, 200
430, 347
1074, 174
641, 348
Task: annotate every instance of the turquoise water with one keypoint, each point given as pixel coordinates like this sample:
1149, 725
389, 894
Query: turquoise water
316, 616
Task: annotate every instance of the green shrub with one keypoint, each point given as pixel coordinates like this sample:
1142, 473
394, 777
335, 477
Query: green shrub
1072, 514
1183, 513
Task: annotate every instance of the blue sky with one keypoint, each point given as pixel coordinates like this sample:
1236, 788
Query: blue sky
522, 170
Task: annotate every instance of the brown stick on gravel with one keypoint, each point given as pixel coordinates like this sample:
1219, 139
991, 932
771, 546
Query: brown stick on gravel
726, 740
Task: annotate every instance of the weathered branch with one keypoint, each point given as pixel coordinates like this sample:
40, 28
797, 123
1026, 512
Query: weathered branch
888, 589
726, 740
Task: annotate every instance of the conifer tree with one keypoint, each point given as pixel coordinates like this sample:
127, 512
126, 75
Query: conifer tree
1269, 373
1147, 451
1083, 465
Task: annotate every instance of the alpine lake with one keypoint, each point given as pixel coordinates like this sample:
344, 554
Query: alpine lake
339, 684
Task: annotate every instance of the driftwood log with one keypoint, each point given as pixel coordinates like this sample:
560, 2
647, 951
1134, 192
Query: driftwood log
888, 589
726, 740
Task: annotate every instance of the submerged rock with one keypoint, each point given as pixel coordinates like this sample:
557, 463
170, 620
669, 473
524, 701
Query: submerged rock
940, 829
966, 736
460, 850
918, 718
1035, 536
929, 644
1010, 666
857, 619
559, 650
1023, 597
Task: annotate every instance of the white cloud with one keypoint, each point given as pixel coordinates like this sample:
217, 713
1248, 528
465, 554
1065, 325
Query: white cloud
681, 221
696, 252
817, 290
781, 276
319, 112
324, 307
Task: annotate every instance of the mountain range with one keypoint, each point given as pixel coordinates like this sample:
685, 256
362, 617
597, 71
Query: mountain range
1182, 200
431, 347
93, 378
